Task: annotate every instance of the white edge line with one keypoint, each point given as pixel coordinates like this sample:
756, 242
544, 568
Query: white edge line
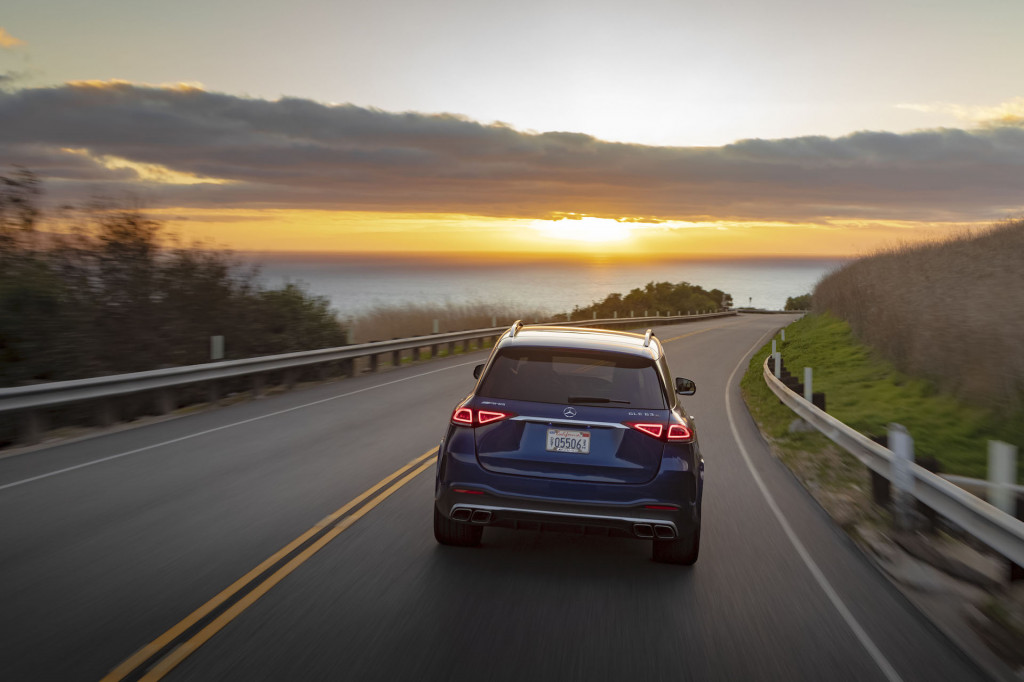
225, 426
826, 587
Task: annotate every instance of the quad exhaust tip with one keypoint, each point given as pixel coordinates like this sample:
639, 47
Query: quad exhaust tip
664, 532
462, 514
481, 516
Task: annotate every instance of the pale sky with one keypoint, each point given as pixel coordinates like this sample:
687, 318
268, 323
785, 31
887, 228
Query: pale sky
648, 72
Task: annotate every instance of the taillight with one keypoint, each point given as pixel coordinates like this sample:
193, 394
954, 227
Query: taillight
467, 416
462, 416
676, 433
679, 432
653, 430
488, 417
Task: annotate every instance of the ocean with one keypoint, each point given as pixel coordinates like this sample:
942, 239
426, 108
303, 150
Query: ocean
355, 284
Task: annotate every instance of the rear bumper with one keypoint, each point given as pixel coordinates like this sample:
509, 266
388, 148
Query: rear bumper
503, 516
491, 509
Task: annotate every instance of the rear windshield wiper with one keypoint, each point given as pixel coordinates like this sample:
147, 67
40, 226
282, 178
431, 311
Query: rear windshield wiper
594, 399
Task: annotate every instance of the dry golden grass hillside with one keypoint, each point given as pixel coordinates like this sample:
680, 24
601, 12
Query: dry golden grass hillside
952, 312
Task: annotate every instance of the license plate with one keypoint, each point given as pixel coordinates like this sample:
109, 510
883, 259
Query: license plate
564, 440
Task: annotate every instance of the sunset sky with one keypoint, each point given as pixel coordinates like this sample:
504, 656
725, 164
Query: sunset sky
745, 127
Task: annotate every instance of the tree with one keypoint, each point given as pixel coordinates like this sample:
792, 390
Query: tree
110, 296
799, 302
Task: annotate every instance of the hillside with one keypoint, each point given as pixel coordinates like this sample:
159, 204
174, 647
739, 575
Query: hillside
951, 312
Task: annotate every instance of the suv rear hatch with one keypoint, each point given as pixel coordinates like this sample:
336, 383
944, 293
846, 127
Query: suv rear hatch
570, 410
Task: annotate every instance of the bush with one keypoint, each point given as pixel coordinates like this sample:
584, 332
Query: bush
661, 298
799, 302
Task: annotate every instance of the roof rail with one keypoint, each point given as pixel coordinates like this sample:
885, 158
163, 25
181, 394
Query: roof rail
516, 326
647, 337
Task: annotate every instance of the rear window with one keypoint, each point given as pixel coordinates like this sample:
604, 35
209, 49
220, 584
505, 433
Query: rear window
551, 375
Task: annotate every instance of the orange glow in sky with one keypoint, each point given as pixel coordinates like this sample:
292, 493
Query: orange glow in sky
377, 233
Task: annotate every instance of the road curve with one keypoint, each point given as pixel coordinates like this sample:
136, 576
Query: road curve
111, 541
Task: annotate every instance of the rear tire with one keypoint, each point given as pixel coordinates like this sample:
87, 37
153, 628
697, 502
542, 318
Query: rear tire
682, 551
448, 532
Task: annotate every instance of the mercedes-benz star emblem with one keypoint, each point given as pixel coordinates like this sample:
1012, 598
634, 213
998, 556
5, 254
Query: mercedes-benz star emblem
569, 412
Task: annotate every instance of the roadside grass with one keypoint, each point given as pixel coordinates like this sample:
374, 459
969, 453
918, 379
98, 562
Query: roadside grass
867, 393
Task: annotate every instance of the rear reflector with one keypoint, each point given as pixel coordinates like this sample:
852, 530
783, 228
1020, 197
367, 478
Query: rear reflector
467, 491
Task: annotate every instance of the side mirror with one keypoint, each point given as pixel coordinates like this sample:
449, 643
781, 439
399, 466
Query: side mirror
685, 386
477, 370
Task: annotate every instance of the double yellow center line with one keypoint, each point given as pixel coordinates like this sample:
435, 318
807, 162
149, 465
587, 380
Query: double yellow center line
159, 657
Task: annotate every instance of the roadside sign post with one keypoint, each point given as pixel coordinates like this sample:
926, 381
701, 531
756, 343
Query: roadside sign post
808, 384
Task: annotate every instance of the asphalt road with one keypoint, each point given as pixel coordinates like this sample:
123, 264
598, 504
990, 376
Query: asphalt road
100, 558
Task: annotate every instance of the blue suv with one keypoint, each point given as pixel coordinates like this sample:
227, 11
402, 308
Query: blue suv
573, 429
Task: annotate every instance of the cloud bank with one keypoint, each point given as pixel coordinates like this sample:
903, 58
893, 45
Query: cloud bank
235, 152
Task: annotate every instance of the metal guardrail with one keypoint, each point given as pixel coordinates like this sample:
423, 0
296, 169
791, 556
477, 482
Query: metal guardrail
57, 393
995, 528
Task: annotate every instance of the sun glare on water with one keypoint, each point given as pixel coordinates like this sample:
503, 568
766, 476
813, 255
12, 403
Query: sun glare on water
585, 229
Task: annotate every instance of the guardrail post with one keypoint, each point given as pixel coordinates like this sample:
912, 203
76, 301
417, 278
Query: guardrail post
494, 321
416, 354
33, 423
595, 315
902, 447
258, 381
451, 348
774, 349
808, 384
783, 336
375, 362
631, 314
436, 326
777, 357
396, 358
1002, 473
213, 392
106, 415
164, 401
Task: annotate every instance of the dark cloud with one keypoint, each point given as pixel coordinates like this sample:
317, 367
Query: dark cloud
295, 153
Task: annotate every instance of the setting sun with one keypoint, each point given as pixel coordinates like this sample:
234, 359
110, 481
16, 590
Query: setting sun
585, 229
